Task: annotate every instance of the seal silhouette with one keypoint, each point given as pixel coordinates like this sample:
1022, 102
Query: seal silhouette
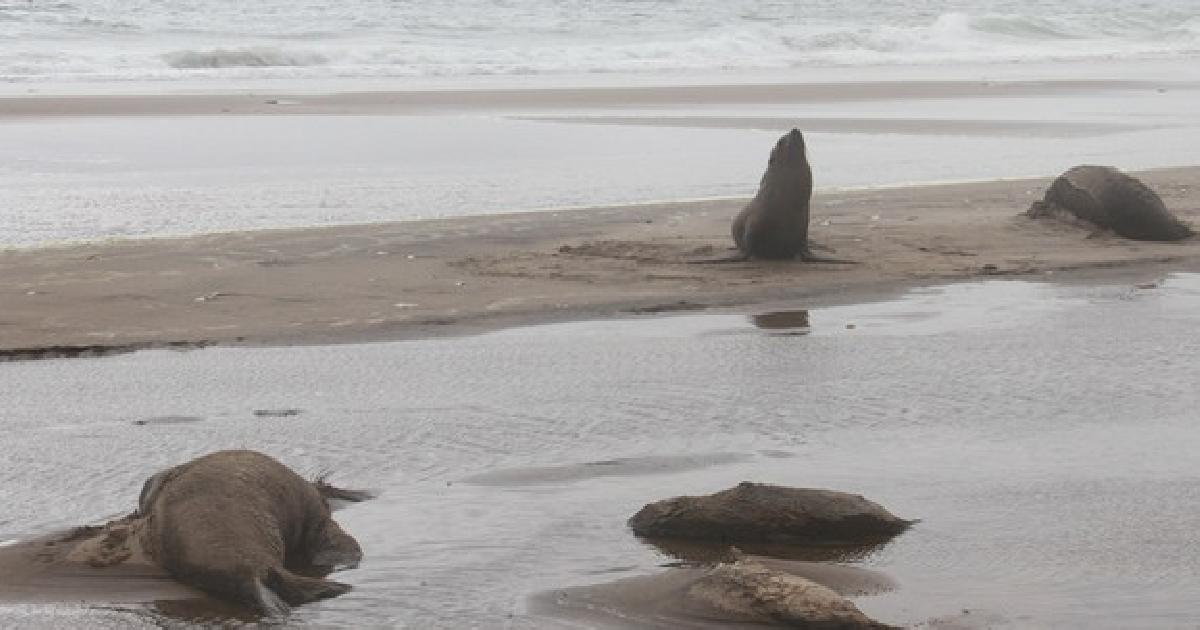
774, 225
240, 525
1110, 199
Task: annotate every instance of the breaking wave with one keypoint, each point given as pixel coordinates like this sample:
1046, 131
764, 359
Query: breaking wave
257, 57
366, 38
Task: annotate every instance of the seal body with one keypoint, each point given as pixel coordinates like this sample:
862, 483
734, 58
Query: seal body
1110, 199
774, 225
764, 513
243, 526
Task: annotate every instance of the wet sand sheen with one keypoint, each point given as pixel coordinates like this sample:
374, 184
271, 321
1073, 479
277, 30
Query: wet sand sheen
1046, 502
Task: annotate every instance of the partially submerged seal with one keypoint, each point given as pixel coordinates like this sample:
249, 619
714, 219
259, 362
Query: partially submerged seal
1109, 199
764, 513
774, 225
241, 525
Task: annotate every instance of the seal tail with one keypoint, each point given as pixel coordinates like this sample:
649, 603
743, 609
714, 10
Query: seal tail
297, 589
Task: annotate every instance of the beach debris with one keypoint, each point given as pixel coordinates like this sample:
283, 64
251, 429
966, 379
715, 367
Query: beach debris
764, 513
681, 305
1104, 198
277, 413
166, 420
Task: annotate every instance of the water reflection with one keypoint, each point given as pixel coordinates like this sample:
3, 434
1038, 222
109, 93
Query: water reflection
700, 551
792, 322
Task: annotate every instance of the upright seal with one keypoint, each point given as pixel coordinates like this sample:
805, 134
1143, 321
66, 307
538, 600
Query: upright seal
774, 225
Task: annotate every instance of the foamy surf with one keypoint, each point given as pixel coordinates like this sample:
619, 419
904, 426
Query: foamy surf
252, 57
94, 40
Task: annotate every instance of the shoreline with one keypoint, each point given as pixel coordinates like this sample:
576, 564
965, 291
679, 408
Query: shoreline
442, 277
458, 99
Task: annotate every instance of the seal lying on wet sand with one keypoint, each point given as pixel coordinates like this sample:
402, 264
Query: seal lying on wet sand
243, 526
1110, 199
742, 593
757, 512
774, 225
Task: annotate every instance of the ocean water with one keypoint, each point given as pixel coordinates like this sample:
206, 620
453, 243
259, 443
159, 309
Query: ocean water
169, 40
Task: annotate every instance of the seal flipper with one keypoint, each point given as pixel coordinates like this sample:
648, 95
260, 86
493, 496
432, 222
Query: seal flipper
268, 602
734, 258
806, 255
297, 589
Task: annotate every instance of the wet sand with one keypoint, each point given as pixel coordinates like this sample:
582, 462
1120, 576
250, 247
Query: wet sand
57, 569
454, 276
266, 102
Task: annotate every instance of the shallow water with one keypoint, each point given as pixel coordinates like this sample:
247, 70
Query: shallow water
96, 178
1043, 434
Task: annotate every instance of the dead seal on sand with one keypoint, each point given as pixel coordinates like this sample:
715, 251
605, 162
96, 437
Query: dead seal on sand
241, 525
1109, 199
763, 513
743, 593
774, 225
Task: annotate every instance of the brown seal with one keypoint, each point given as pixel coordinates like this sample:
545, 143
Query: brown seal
241, 525
774, 225
1109, 199
765, 513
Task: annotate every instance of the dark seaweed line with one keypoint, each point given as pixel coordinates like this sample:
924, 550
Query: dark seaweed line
94, 351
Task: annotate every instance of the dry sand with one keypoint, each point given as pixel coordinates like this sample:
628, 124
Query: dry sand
401, 280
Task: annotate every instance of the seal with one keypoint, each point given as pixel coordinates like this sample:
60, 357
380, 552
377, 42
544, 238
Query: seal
1109, 199
242, 526
764, 513
774, 225
743, 592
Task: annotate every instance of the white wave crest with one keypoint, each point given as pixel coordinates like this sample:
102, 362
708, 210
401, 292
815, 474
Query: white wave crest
253, 57
240, 42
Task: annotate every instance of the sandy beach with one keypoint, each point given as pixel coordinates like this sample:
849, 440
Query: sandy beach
472, 260
412, 279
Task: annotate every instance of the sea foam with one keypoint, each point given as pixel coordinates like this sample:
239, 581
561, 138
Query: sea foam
127, 39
